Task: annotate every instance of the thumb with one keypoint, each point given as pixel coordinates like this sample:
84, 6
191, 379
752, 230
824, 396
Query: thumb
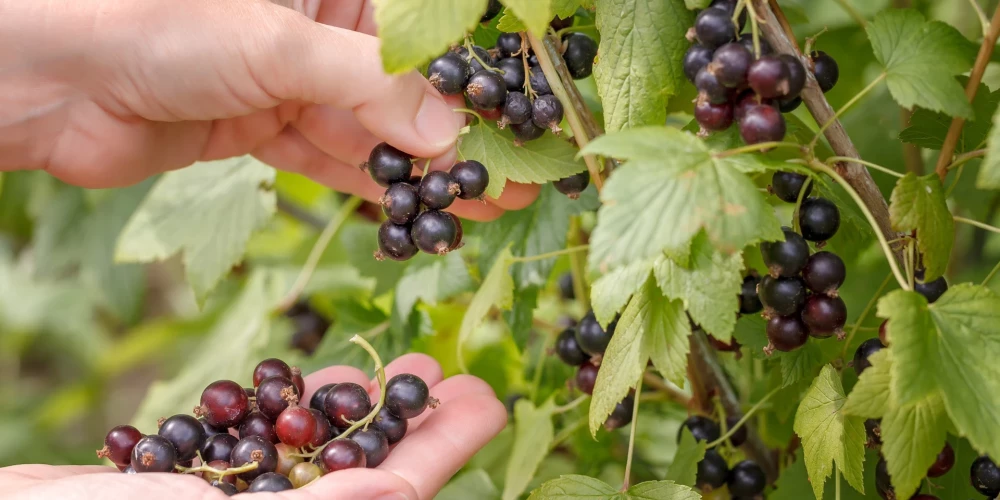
296, 58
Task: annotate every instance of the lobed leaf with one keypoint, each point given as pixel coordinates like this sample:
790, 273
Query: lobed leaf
415, 31
533, 434
919, 204
912, 437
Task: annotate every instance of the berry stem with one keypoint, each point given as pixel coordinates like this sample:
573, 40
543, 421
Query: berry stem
631, 434
671, 391
890, 256
798, 204
338, 219
468, 46
753, 148
864, 314
964, 158
549, 255
993, 272
980, 225
468, 112
836, 482
754, 31
567, 432
880, 168
427, 167
843, 109
575, 29
536, 379
851, 11
983, 21
219, 473
571, 405
729, 433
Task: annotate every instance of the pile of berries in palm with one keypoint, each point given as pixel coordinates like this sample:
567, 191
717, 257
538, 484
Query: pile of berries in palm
414, 206
735, 83
262, 439
745, 479
799, 293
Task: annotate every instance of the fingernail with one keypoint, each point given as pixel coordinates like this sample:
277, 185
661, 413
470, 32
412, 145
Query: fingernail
436, 122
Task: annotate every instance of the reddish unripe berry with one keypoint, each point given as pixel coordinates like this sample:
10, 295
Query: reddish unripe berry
762, 124
713, 117
295, 426
118, 444
944, 462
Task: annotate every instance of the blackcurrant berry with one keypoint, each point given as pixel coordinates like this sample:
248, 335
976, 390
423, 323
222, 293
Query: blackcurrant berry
787, 185
486, 90
185, 433
785, 258
153, 454
407, 396
592, 338
434, 232
786, 333
985, 476
388, 165
400, 203
789, 105
525, 132
873, 432
819, 219
472, 179
824, 315
783, 295
228, 489
492, 10
211, 430
474, 64
341, 454
730, 64
533, 61
224, 404
762, 124
457, 242
740, 436
270, 482
573, 185
713, 471
347, 403
516, 110
513, 73
580, 51
324, 429
621, 415
509, 44
395, 242
295, 426
883, 483
538, 82
697, 57
825, 70
438, 190
710, 88
824, 272
568, 349
271, 367
714, 27
393, 426
286, 458
218, 447
256, 424
747, 479
749, 300
729, 6
702, 428
491, 114
586, 377
547, 112
943, 463
865, 350
565, 282
933, 290
303, 474
274, 394
560, 23
796, 75
448, 73
713, 117
118, 444
747, 40
300, 383
768, 77
748, 100
375, 444
254, 449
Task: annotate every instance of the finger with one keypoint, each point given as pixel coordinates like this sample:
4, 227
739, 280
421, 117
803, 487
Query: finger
455, 431
421, 365
352, 484
333, 375
24, 476
451, 389
145, 486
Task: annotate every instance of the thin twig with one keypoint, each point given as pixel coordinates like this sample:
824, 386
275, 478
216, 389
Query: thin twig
300, 214
631, 435
743, 420
672, 391
983, 22
864, 313
833, 159
980, 225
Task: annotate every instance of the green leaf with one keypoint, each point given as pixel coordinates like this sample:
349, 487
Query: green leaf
912, 437
950, 347
509, 23
207, 212
639, 68
659, 490
430, 278
414, 31
497, 290
566, 8
573, 487
548, 158
989, 171
696, 4
709, 286
921, 59
958, 485
535, 14
800, 364
684, 468
610, 293
828, 435
670, 189
870, 397
652, 327
928, 129
919, 203
533, 434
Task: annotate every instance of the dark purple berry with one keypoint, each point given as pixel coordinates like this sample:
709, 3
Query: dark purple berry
787, 185
824, 315
509, 44
393, 426
621, 415
472, 179
407, 396
825, 70
474, 64
747, 40
185, 433
538, 82
796, 75
400, 203
714, 27
768, 77
932, 290
865, 351
697, 57
492, 10
568, 349
786, 333
702, 428
586, 377
749, 300
388, 165
341, 454
943, 463
784, 296
785, 258
486, 90
516, 110
395, 242
819, 219
873, 432
985, 476
730, 64
525, 132
224, 404
592, 338
762, 124
271, 367
270, 482
713, 117
153, 454
347, 403
218, 447
118, 444
448, 73
824, 272
254, 449
256, 424
573, 185
710, 88
375, 444
513, 73
883, 483
579, 54
740, 436
789, 105
434, 232
748, 100
438, 190
209, 429
274, 394
713, 471
747, 479
547, 112
457, 242
729, 6
228, 489
324, 429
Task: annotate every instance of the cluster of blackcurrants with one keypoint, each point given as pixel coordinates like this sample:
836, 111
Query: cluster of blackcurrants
734, 85
745, 479
260, 439
583, 346
507, 84
310, 327
414, 206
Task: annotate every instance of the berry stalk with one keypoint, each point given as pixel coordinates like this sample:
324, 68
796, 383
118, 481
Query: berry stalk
631, 435
736, 427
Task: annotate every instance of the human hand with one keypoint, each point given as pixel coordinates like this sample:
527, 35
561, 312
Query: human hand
105, 93
437, 445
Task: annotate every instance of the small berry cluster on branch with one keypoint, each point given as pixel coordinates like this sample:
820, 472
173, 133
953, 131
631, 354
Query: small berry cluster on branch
745, 479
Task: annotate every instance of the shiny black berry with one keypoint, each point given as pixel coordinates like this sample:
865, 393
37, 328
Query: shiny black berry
713, 117
407, 396
747, 479
782, 295
486, 90
573, 185
824, 272
474, 64
509, 44
740, 436
527, 131
516, 109
388, 165
395, 242
492, 10
592, 338
749, 300
621, 415
785, 258
824, 315
218, 447
762, 124
448, 73
787, 185
943, 463
747, 40
400, 203
513, 73
702, 428
697, 57
789, 105
256, 424
985, 476
786, 333
932, 290
713, 471
394, 427
271, 367
730, 64
825, 69
547, 112
438, 190
710, 88
714, 27
374, 443
228, 489
796, 75
434, 232
254, 449
153, 454
580, 51
472, 179
346, 403
185, 433
768, 77
729, 6
538, 82
271, 482
819, 219
568, 349
865, 350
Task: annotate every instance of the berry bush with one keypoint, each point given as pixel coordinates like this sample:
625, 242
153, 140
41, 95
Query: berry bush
761, 264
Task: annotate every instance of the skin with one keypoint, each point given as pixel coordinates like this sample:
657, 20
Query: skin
467, 418
106, 93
